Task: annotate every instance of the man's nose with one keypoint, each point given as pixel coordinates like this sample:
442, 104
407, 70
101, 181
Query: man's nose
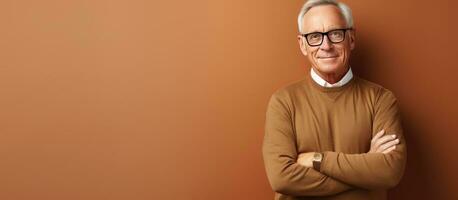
326, 44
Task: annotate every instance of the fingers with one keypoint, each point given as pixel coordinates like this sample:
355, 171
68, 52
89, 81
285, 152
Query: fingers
388, 145
383, 143
384, 139
378, 135
389, 150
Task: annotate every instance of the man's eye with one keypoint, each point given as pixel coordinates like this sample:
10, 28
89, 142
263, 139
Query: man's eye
314, 36
336, 34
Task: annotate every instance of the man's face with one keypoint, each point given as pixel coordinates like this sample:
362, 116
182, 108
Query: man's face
328, 58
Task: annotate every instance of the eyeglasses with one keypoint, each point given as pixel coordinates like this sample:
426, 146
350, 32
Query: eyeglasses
316, 38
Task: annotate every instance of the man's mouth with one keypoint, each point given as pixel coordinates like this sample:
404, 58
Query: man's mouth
327, 57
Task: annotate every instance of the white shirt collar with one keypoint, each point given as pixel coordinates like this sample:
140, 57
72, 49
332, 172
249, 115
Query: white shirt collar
345, 79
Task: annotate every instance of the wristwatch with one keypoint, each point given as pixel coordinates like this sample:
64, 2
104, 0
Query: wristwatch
317, 158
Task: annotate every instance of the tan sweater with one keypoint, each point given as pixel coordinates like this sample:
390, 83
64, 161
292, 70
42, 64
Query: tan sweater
339, 122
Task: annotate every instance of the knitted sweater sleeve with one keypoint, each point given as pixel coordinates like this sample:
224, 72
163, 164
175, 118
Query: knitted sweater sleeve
280, 154
372, 170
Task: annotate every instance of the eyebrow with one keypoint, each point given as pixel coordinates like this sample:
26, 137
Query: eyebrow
329, 29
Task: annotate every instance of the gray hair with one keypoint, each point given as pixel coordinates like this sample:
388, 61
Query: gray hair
344, 9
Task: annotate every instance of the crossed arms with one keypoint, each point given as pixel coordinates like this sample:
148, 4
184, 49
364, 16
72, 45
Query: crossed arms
290, 173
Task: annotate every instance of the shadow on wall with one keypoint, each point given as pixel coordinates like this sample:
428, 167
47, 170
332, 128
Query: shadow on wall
419, 181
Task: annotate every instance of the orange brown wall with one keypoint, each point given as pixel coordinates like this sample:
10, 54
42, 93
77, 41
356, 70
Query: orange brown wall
166, 99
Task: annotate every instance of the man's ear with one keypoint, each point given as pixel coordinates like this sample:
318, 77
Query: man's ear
352, 38
302, 46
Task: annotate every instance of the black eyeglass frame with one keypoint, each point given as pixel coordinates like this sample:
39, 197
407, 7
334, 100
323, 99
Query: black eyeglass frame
326, 34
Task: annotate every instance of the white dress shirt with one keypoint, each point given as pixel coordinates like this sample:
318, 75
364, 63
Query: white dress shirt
345, 79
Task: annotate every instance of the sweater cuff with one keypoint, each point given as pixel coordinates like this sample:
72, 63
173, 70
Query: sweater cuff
326, 163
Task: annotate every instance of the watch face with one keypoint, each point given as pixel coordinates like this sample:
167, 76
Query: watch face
317, 157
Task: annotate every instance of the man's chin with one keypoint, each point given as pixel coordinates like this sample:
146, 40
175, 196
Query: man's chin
328, 68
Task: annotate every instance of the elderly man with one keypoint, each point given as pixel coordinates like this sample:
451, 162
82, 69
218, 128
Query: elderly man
332, 135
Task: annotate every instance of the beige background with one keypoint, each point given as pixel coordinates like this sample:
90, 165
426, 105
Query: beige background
166, 99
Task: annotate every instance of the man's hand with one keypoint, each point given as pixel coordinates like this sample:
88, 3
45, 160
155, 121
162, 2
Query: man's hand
306, 159
383, 144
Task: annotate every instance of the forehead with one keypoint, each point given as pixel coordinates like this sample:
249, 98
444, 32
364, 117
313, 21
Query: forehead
323, 18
